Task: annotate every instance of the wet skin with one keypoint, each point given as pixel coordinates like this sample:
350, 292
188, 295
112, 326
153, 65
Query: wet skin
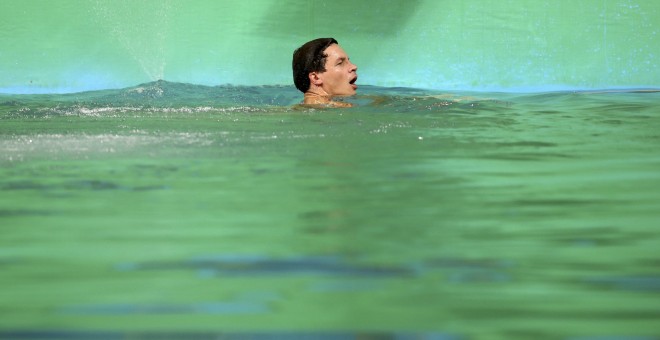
338, 79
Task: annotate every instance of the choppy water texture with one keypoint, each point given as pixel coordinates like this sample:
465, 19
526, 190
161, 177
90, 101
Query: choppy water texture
188, 212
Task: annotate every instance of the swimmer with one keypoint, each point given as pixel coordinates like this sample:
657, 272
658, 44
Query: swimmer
323, 71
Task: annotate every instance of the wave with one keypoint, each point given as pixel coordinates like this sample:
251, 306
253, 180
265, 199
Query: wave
170, 97
164, 97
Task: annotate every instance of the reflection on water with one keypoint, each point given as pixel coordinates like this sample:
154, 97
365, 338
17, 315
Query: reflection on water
189, 212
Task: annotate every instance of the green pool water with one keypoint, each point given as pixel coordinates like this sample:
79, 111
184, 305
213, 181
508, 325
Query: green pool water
190, 212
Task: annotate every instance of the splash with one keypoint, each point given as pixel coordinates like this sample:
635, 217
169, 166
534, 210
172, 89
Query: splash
144, 39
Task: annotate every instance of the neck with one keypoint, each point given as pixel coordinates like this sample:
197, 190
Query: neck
315, 98
322, 98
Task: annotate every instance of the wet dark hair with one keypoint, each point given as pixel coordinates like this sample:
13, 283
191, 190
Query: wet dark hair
309, 58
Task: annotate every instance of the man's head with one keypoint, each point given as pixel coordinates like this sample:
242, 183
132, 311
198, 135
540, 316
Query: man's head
323, 67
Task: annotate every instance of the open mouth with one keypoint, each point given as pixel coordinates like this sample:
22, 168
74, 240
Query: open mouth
352, 82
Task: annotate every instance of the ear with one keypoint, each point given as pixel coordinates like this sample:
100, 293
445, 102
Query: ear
315, 79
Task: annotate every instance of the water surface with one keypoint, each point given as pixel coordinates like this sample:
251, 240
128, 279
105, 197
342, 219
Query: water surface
188, 212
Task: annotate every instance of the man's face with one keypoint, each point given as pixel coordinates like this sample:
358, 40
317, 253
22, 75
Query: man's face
340, 74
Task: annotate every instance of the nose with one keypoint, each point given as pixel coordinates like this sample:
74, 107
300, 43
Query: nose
353, 67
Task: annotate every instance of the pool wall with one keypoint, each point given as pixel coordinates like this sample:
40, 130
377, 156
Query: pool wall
491, 45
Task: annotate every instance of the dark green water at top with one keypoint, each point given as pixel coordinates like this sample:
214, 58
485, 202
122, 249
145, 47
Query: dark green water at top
185, 212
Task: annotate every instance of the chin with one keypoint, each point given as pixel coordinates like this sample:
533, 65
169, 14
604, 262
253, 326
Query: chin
350, 92
345, 93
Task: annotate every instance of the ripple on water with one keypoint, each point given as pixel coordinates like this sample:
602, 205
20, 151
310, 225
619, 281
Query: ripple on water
84, 146
83, 185
228, 307
210, 335
23, 212
641, 283
257, 265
